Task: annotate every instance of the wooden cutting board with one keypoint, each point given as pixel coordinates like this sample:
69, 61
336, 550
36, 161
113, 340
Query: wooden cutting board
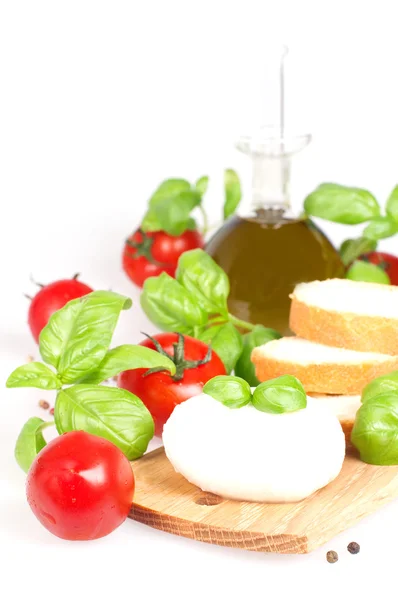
165, 500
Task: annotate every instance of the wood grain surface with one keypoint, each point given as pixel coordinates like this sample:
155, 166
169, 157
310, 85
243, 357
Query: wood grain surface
165, 500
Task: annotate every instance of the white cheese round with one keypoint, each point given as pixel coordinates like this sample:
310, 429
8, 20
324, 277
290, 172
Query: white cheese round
250, 455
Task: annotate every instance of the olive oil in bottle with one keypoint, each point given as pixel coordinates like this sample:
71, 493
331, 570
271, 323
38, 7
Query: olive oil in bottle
268, 251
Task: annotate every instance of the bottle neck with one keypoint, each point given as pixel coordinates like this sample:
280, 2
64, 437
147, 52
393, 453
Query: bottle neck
270, 185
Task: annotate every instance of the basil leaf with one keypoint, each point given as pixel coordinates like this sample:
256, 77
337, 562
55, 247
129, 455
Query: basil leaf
127, 357
257, 337
341, 204
380, 228
174, 213
170, 306
380, 385
168, 189
226, 341
36, 375
392, 204
29, 443
352, 249
207, 282
284, 394
109, 412
202, 184
233, 392
233, 192
375, 431
77, 337
150, 222
361, 270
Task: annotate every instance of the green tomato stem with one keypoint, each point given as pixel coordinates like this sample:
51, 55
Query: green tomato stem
240, 323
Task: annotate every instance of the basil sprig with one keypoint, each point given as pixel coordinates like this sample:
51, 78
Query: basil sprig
375, 431
75, 343
196, 303
171, 206
281, 395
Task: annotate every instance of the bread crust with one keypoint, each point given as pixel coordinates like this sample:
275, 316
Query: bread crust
327, 378
344, 330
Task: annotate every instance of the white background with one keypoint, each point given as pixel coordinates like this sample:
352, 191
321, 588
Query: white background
99, 101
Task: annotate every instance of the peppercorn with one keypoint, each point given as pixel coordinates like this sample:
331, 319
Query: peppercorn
332, 556
44, 404
353, 548
51, 411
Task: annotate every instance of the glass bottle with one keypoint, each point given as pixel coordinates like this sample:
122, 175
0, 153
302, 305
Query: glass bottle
268, 251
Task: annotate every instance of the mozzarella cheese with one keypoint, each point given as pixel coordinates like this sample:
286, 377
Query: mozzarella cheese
245, 454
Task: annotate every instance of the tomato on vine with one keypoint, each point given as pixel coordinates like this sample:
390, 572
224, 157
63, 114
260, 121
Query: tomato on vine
147, 254
195, 362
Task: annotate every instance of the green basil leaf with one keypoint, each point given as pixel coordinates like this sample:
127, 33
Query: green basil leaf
226, 341
380, 385
36, 375
361, 270
380, 228
29, 443
375, 431
123, 358
207, 282
233, 192
168, 189
352, 249
109, 412
257, 337
151, 222
392, 204
174, 213
202, 184
233, 392
341, 204
77, 337
284, 394
170, 306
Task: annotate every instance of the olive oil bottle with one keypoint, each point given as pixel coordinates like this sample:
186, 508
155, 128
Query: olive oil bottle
267, 252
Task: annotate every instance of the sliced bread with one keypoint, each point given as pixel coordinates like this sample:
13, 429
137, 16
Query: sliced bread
320, 368
347, 314
345, 409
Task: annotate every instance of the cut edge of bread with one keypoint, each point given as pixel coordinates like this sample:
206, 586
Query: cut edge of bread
344, 330
326, 378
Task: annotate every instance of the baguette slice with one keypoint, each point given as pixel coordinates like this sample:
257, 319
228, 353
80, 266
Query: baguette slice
345, 409
347, 314
321, 369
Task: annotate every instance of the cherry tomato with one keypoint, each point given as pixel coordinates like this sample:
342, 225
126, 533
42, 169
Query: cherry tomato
149, 254
80, 486
51, 298
387, 262
161, 392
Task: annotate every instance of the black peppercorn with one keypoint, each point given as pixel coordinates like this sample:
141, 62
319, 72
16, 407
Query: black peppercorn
332, 556
353, 548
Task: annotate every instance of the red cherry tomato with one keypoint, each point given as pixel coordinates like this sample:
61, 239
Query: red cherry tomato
80, 486
149, 254
387, 262
51, 298
161, 392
